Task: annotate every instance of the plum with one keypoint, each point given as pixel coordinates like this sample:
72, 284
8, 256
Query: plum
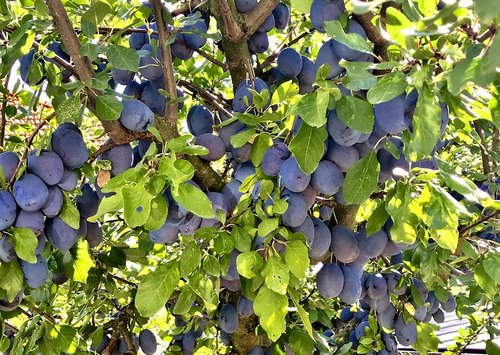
292, 176
36, 273
8, 164
136, 116
330, 281
290, 62
67, 142
8, 209
325, 10
30, 193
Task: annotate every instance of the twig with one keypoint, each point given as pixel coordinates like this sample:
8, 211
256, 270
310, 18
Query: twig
122, 280
169, 127
490, 32
187, 8
11, 327
4, 115
211, 59
465, 229
218, 102
484, 153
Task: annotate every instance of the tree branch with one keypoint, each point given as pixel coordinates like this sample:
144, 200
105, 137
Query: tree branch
84, 71
373, 34
465, 229
186, 8
253, 19
168, 128
230, 28
211, 59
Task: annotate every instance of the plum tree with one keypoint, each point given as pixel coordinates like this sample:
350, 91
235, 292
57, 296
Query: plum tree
246, 176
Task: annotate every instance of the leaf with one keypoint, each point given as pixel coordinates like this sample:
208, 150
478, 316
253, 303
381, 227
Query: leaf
312, 108
376, 220
136, 205
82, 261
358, 77
194, 200
267, 226
259, 147
297, 258
11, 279
426, 122
396, 22
108, 107
156, 288
271, 308
25, 243
249, 264
69, 110
238, 140
490, 265
426, 339
178, 171
304, 316
190, 259
63, 337
185, 301
488, 11
405, 221
308, 147
352, 40
123, 58
158, 213
484, 280
204, 287
69, 213
387, 88
93, 17
276, 275
361, 179
300, 342
108, 204
303, 6
355, 113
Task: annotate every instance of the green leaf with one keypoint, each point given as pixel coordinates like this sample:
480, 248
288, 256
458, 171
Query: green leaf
276, 275
93, 17
360, 8
259, 147
204, 287
304, 316
63, 337
211, 265
185, 301
158, 213
426, 122
484, 280
387, 88
136, 205
376, 220
308, 147
190, 259
178, 171
194, 200
312, 108
69, 110
156, 288
352, 40
297, 258
123, 58
238, 140
358, 77
108, 204
82, 261
396, 23
361, 179
271, 308
300, 342
11, 279
108, 107
25, 243
399, 208
355, 113
488, 11
490, 265
69, 213
303, 6
267, 226
249, 264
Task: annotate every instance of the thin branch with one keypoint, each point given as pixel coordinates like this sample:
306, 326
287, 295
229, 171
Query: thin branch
253, 19
186, 8
485, 159
219, 103
231, 30
3, 124
170, 125
11, 327
122, 280
211, 59
465, 229
373, 34
490, 32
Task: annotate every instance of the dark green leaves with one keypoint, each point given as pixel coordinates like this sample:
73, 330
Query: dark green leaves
11, 279
108, 107
361, 179
426, 121
351, 40
156, 288
25, 242
312, 108
387, 88
307, 147
123, 57
355, 113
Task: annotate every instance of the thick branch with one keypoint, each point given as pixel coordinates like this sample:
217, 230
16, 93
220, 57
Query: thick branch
230, 28
253, 19
168, 129
373, 34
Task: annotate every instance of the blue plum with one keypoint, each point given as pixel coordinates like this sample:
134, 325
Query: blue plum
136, 116
36, 273
120, 156
200, 120
48, 166
296, 211
54, 202
147, 342
215, 145
30, 193
325, 10
61, 235
330, 281
88, 202
33, 220
327, 179
8, 209
292, 176
281, 15
8, 164
228, 318
290, 62
67, 142
344, 244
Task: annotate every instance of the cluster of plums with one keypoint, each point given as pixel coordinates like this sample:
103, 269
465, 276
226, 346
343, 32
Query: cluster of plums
36, 201
146, 342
